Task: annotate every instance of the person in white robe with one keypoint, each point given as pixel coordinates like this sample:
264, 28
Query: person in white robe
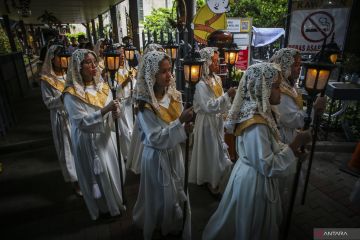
290, 110
210, 161
92, 109
52, 85
136, 147
161, 196
250, 207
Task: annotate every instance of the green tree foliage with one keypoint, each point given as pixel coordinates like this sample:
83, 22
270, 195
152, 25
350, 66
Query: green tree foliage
159, 19
265, 13
4, 42
76, 35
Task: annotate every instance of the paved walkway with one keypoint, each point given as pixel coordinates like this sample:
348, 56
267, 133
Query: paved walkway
35, 202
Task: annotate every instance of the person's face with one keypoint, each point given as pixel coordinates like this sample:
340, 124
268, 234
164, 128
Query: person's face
163, 76
275, 95
89, 67
214, 66
295, 68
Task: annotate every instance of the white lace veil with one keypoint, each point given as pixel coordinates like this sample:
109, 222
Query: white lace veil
285, 57
252, 96
207, 53
74, 78
47, 69
146, 78
97, 46
153, 47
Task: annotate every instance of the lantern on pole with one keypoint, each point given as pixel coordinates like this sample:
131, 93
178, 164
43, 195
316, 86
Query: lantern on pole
231, 57
112, 64
317, 74
192, 66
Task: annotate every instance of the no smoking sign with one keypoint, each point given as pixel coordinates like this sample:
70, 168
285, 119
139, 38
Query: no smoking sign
317, 26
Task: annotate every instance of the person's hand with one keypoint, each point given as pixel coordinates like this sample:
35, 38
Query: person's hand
186, 115
125, 82
319, 106
189, 126
112, 106
302, 138
231, 92
116, 113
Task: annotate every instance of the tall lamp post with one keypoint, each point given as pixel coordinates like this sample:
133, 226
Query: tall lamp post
231, 57
317, 73
112, 64
193, 64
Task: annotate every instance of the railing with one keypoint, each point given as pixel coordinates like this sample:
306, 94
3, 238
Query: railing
13, 86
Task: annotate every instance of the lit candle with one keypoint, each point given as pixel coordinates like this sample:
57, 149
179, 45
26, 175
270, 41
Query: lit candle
333, 58
195, 69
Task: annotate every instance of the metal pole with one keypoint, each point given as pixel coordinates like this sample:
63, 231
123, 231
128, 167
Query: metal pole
287, 28
307, 122
113, 91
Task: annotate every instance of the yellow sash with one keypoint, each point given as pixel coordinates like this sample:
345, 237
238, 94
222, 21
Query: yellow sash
59, 85
296, 97
256, 119
99, 100
170, 114
217, 89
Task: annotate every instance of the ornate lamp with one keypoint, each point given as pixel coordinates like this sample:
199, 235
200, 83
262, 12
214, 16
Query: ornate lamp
171, 49
64, 56
192, 68
231, 57
332, 50
112, 64
129, 52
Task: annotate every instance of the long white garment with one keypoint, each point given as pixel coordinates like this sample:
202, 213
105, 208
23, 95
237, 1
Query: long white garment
291, 118
96, 162
161, 194
126, 119
210, 160
61, 130
135, 150
251, 207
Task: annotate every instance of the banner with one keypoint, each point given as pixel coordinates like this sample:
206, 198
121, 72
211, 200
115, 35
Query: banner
309, 27
243, 59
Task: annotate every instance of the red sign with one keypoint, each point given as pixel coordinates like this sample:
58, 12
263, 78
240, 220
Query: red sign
242, 62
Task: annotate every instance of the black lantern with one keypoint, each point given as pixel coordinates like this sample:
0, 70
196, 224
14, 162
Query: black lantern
231, 57
111, 59
129, 52
64, 56
332, 50
171, 49
193, 67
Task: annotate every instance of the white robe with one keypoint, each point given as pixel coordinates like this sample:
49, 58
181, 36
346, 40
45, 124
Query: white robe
126, 119
61, 130
250, 207
161, 194
96, 162
135, 150
291, 118
210, 161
